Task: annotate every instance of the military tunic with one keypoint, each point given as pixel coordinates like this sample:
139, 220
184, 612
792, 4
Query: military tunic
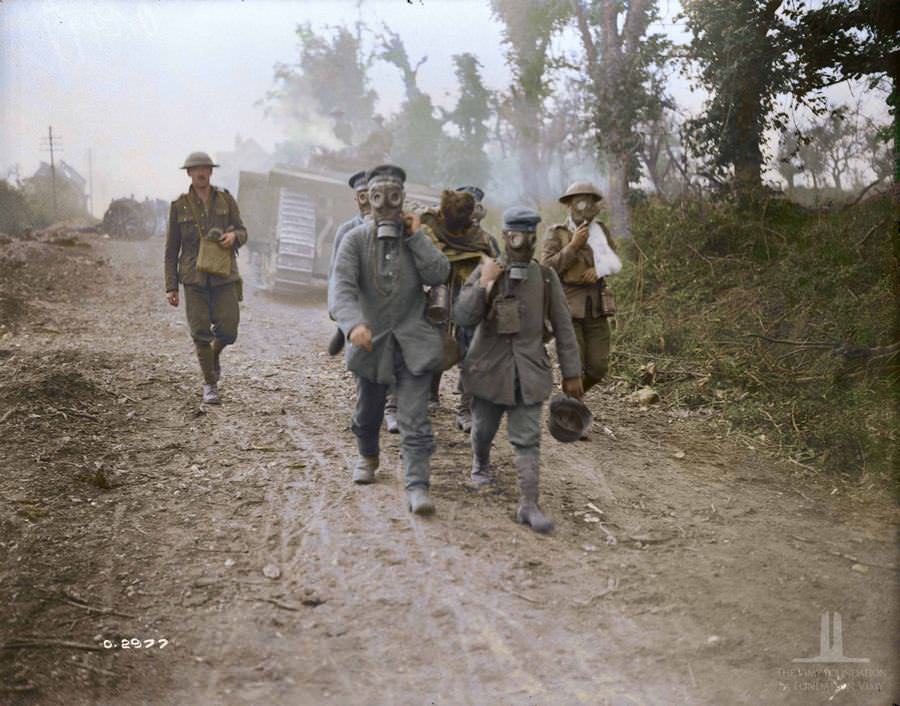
211, 302
510, 373
584, 299
378, 282
339, 234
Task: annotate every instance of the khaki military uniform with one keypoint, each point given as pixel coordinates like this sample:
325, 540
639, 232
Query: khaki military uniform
211, 302
464, 254
585, 300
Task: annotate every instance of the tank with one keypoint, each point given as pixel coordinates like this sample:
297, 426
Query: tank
130, 219
291, 217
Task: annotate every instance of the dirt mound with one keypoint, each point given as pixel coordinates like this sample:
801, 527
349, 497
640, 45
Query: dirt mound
50, 385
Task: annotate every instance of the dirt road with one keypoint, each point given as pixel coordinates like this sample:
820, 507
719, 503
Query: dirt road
686, 568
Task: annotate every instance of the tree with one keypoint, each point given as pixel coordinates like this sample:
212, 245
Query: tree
464, 157
749, 52
742, 50
787, 161
418, 133
621, 58
853, 39
659, 143
15, 215
329, 79
529, 26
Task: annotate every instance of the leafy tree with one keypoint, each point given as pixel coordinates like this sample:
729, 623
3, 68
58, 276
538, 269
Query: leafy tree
15, 214
623, 60
418, 133
529, 25
787, 163
853, 39
742, 48
464, 158
328, 84
749, 52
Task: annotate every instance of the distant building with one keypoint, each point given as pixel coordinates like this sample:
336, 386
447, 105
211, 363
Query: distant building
71, 199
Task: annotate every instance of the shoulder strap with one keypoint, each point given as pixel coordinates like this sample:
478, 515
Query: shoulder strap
545, 275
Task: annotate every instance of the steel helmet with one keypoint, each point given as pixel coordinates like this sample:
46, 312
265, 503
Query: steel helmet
198, 159
569, 419
580, 188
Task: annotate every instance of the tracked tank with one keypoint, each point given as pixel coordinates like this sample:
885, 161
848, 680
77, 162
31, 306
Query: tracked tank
292, 215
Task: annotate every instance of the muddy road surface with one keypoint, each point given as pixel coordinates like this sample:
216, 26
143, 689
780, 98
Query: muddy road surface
689, 566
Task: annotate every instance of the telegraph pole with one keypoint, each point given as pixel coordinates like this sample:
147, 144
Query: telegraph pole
53, 145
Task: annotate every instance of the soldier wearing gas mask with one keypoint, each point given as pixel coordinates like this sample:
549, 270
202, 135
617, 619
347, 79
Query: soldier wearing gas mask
361, 198
581, 252
515, 303
454, 230
381, 268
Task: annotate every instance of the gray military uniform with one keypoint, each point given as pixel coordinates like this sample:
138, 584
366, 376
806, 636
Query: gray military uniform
378, 282
511, 372
342, 230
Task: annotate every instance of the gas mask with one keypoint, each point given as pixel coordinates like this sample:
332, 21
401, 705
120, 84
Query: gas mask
362, 202
386, 200
479, 213
519, 251
583, 209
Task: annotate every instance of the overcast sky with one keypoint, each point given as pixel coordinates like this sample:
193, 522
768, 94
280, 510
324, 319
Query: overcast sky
144, 83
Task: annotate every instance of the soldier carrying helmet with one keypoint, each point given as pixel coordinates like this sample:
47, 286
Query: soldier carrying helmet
581, 252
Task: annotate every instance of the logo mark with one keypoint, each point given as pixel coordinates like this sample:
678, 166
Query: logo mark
831, 643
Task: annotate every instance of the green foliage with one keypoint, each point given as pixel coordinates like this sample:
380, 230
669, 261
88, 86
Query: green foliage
742, 49
464, 158
330, 75
417, 131
627, 80
770, 316
15, 215
750, 52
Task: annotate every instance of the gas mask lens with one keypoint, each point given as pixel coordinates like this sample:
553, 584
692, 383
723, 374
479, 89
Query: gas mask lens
518, 241
581, 205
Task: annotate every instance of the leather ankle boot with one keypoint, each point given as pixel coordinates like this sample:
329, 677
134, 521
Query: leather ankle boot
419, 501
364, 470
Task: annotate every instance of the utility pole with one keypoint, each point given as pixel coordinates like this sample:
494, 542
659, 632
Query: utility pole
53, 145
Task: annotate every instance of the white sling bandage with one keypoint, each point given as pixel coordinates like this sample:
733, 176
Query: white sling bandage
606, 262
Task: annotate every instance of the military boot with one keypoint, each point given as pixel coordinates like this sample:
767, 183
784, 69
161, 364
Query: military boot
528, 470
481, 467
419, 501
390, 412
364, 470
464, 409
211, 394
217, 348
206, 358
416, 473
